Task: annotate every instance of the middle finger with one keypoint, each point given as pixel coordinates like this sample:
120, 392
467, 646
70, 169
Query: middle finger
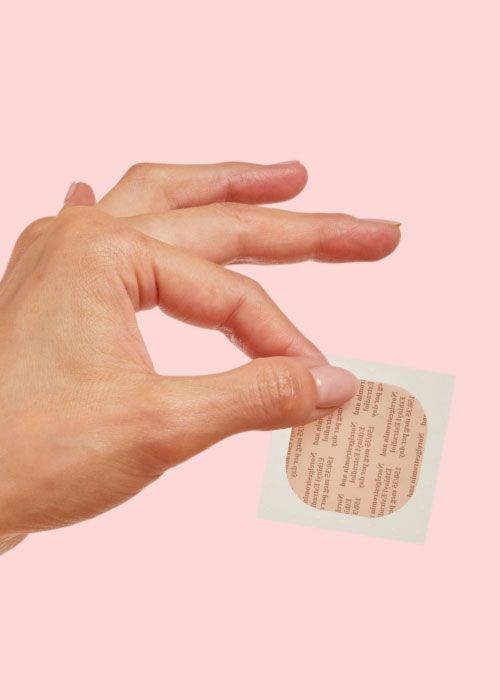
229, 232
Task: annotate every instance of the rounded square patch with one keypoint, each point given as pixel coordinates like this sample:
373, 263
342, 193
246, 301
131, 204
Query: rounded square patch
364, 458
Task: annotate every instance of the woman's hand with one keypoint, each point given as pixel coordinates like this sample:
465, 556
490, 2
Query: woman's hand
85, 421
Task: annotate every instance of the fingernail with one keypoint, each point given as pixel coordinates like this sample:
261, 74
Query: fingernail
335, 385
382, 221
71, 190
286, 162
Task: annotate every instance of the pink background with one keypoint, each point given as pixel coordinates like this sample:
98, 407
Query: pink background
182, 592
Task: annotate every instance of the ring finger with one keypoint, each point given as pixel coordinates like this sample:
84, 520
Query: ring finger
157, 187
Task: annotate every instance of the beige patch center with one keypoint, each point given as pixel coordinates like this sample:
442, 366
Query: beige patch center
365, 457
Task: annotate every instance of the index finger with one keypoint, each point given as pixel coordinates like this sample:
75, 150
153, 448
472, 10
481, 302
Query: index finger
205, 294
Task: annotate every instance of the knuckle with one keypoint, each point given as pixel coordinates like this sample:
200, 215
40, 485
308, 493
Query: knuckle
79, 221
143, 171
253, 289
342, 219
104, 247
279, 388
246, 290
94, 248
92, 239
238, 213
330, 231
74, 226
35, 229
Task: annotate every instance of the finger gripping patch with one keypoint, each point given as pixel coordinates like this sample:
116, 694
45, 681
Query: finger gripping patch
364, 458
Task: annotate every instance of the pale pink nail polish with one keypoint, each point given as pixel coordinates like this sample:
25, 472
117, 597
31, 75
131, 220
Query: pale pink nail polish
382, 221
335, 385
70, 191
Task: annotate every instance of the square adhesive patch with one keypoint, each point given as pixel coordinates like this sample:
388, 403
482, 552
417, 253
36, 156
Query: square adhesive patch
370, 466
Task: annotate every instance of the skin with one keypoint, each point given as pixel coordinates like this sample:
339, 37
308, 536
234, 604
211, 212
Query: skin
86, 422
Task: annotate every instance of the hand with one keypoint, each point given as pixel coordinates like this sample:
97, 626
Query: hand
85, 421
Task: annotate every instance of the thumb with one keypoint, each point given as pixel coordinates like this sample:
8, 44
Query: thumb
79, 194
264, 394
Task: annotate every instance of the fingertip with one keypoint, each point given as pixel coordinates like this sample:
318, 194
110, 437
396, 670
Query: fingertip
293, 168
304, 175
370, 240
288, 179
334, 385
389, 239
382, 238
